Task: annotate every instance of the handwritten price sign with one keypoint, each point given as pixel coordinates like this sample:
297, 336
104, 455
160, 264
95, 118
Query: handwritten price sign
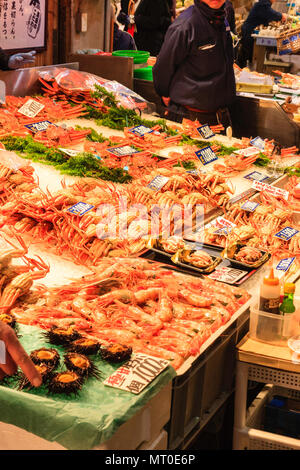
137, 373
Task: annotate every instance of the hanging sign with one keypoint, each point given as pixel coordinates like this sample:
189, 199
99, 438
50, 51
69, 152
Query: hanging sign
23, 24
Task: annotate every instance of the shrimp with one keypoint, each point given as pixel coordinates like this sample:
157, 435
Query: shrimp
141, 296
165, 309
194, 299
122, 295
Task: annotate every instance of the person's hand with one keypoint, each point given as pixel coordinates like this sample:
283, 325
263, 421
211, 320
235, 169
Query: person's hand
18, 60
284, 17
14, 356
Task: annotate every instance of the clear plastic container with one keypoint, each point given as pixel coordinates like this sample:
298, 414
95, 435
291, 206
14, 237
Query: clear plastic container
274, 329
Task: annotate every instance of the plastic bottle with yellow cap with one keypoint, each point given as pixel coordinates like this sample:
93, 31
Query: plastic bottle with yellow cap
287, 305
270, 294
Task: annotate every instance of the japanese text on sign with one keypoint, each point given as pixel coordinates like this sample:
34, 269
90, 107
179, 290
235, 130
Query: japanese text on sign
31, 108
206, 155
259, 186
285, 264
80, 208
158, 182
256, 176
22, 23
227, 275
122, 151
140, 130
205, 131
286, 233
39, 126
137, 373
249, 206
248, 152
258, 142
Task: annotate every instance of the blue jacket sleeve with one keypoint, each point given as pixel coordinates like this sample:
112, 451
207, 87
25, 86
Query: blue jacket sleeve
273, 15
173, 52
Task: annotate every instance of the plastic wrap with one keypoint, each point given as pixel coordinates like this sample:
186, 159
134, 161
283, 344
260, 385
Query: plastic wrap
11, 160
75, 81
81, 422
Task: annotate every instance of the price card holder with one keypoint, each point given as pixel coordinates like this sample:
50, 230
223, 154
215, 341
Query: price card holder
80, 208
137, 373
206, 155
2, 92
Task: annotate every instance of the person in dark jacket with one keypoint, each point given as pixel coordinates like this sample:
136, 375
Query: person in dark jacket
195, 65
123, 41
230, 16
152, 19
261, 13
16, 60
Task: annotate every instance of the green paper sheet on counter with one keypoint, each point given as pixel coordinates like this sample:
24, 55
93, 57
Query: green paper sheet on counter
76, 422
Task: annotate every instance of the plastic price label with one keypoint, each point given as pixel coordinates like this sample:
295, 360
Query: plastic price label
286, 233
256, 176
249, 206
205, 131
285, 264
39, 126
158, 182
140, 131
206, 155
80, 208
122, 151
258, 142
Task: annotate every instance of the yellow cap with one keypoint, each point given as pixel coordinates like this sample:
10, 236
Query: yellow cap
271, 280
289, 287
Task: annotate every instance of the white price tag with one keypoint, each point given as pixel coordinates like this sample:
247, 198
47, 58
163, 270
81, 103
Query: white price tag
31, 108
137, 373
248, 152
158, 182
259, 186
227, 275
70, 152
2, 92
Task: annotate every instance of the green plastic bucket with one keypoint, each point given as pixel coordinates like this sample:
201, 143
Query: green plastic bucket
139, 57
144, 73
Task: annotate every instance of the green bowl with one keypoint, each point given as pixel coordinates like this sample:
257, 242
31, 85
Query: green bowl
139, 57
144, 73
